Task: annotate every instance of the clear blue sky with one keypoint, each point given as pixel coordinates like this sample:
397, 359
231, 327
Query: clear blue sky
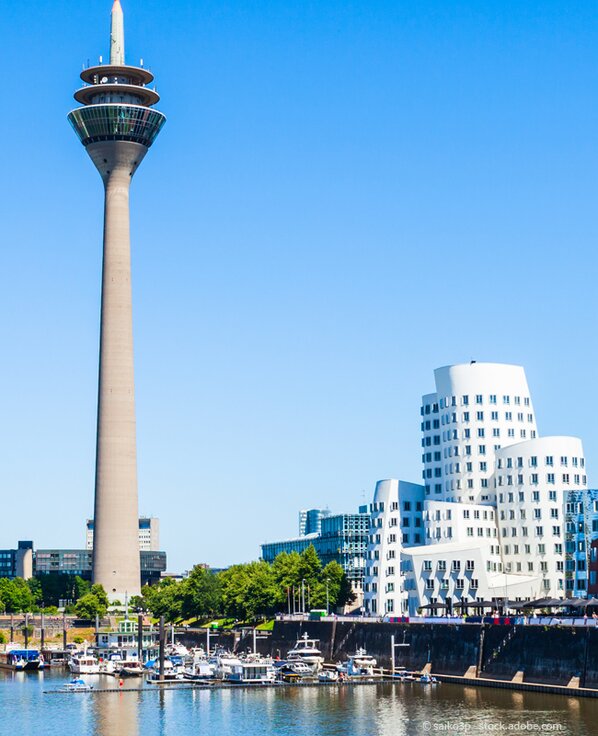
346, 195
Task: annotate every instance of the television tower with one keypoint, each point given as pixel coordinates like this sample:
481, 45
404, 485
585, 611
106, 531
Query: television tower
117, 126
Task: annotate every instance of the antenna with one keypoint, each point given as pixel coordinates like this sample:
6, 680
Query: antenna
140, 62
101, 59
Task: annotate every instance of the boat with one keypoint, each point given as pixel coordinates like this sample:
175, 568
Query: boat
200, 668
178, 650
84, 664
129, 666
224, 664
77, 685
306, 650
328, 676
359, 664
172, 670
427, 679
402, 675
292, 671
252, 670
22, 660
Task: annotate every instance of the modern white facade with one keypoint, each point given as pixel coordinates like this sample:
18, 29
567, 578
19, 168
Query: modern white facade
532, 481
501, 505
396, 520
477, 408
458, 572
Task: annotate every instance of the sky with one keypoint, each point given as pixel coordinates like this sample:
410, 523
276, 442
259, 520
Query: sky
346, 195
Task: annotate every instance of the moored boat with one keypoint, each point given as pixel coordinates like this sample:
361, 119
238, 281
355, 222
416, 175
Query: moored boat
84, 664
77, 685
358, 665
22, 660
328, 676
129, 666
306, 650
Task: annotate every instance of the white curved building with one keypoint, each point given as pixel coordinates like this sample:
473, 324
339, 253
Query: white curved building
503, 513
477, 409
396, 520
532, 482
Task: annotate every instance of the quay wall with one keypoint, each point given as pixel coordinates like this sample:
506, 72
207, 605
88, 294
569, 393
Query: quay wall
551, 655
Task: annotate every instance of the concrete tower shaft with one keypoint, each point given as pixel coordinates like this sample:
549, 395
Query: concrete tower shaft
117, 127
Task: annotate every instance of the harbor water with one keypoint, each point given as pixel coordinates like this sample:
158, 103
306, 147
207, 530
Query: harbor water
386, 709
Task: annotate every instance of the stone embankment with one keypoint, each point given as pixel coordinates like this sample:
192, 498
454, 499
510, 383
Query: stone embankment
517, 654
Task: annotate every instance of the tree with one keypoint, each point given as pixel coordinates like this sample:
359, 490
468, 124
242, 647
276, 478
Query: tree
89, 605
201, 593
15, 595
340, 591
310, 565
250, 590
97, 589
163, 599
36, 590
61, 586
137, 603
80, 587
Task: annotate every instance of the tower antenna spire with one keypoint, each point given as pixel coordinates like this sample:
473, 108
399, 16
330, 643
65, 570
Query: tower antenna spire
117, 35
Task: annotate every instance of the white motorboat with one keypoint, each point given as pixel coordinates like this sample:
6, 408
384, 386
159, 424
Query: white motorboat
306, 650
200, 668
251, 671
77, 685
178, 650
225, 664
359, 664
295, 670
129, 666
84, 664
328, 676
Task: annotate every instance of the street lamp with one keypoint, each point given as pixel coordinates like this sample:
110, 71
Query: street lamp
327, 597
303, 595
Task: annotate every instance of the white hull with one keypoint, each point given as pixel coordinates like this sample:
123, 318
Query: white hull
84, 669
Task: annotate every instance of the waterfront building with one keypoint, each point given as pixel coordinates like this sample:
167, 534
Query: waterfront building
149, 534
310, 521
581, 542
343, 538
533, 480
27, 562
506, 513
17, 563
477, 408
80, 562
117, 126
396, 520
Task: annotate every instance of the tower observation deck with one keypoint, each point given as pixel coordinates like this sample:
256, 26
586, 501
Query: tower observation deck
117, 126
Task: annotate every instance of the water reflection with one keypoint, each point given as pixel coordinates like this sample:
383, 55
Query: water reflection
369, 710
116, 714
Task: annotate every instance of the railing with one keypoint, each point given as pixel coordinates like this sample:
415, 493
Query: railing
452, 620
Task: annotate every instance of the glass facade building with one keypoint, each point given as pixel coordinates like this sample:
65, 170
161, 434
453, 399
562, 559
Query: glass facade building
343, 538
581, 530
70, 561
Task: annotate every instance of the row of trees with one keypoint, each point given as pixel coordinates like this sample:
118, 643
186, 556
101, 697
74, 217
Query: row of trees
46, 591
250, 591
